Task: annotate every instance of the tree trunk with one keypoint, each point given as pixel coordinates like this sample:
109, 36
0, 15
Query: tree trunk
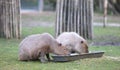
101, 2
105, 13
40, 5
10, 19
75, 16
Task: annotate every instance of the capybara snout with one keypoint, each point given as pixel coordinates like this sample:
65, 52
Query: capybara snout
64, 49
84, 47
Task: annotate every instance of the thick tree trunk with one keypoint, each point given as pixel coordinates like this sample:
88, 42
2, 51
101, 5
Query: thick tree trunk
10, 19
75, 16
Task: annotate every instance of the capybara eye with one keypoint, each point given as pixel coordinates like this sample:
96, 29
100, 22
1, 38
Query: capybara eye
81, 41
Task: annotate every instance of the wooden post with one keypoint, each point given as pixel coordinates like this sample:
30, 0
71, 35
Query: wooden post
10, 26
40, 5
105, 13
74, 16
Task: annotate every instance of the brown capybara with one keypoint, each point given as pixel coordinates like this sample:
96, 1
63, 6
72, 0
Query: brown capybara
37, 46
73, 42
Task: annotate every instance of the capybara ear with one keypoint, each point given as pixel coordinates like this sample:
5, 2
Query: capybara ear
81, 41
60, 44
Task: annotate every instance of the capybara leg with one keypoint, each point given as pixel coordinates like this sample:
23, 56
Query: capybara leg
48, 57
42, 57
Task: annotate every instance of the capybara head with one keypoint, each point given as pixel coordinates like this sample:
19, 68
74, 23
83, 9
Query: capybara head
83, 48
61, 50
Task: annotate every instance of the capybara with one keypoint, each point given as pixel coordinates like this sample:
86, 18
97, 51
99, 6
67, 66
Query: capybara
37, 46
73, 42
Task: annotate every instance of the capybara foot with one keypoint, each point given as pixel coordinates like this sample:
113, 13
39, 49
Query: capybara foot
43, 60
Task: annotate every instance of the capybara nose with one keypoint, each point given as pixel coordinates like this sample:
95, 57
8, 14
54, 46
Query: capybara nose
72, 51
86, 51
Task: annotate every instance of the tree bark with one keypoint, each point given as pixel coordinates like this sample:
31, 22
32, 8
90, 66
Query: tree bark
10, 26
40, 5
105, 13
101, 2
75, 16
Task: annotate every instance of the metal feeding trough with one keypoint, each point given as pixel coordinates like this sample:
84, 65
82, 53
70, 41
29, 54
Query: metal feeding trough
73, 57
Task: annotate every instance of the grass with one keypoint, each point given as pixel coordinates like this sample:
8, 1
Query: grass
8, 60
35, 30
107, 31
37, 17
9, 48
98, 17
51, 16
109, 50
9, 54
107, 34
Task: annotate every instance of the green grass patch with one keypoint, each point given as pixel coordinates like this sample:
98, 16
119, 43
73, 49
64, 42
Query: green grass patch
9, 54
107, 34
37, 30
100, 31
37, 17
98, 17
51, 16
109, 50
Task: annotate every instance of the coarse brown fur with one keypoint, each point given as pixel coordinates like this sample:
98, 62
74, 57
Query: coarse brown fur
38, 45
73, 42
